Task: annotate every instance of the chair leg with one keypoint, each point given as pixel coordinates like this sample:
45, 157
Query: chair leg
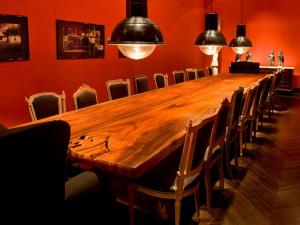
227, 159
197, 202
241, 142
208, 188
131, 207
251, 130
177, 211
221, 174
236, 155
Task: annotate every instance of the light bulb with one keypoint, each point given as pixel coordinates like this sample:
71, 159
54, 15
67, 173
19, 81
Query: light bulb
240, 50
136, 51
210, 49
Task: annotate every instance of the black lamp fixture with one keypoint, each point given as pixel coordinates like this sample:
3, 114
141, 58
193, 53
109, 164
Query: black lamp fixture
136, 36
211, 40
240, 44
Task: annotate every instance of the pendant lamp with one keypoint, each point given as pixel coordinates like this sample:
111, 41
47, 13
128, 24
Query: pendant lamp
136, 36
240, 44
211, 40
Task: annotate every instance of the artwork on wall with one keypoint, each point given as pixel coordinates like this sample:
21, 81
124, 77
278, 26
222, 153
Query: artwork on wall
79, 40
13, 38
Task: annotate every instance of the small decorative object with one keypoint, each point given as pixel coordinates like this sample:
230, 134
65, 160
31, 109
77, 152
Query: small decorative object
280, 58
79, 40
249, 57
271, 58
238, 57
13, 38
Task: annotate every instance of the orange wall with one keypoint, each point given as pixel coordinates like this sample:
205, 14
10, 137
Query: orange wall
180, 21
270, 25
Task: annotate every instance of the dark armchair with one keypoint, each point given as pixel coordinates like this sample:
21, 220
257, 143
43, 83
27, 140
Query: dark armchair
34, 188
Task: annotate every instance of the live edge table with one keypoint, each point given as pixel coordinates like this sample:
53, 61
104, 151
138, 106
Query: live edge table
129, 136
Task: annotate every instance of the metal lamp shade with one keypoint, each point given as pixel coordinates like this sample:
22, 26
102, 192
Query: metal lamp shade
240, 44
136, 35
211, 41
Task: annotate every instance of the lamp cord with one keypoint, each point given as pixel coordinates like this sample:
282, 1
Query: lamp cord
241, 11
211, 9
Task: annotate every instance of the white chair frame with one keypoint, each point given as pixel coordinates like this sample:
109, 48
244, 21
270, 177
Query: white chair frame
82, 89
191, 70
165, 76
117, 81
61, 102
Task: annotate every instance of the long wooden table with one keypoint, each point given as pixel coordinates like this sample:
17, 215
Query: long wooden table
143, 129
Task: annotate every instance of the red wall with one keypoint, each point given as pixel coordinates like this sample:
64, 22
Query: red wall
270, 25
179, 20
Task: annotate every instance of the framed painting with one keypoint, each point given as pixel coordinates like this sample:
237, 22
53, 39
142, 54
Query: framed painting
79, 40
13, 38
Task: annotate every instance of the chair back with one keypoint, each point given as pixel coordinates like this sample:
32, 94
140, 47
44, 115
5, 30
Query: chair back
45, 104
118, 88
200, 73
179, 76
191, 73
250, 96
141, 84
257, 99
236, 110
33, 170
85, 96
197, 140
266, 92
161, 80
221, 123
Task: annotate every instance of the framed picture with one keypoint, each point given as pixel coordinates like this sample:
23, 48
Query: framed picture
79, 40
13, 38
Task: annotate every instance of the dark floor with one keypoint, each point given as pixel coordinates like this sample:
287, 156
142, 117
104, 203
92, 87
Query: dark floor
266, 187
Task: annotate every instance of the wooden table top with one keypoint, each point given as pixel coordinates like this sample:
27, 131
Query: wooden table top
129, 136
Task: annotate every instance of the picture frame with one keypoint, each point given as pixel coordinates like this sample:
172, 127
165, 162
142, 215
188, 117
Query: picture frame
14, 41
79, 40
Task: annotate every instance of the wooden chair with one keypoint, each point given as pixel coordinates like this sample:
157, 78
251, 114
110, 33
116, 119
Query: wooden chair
201, 73
264, 98
161, 80
179, 76
278, 76
242, 127
186, 181
232, 131
45, 104
85, 96
140, 84
191, 74
214, 154
118, 88
256, 104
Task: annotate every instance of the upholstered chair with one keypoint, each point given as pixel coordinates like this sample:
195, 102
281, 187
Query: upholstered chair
161, 80
34, 187
191, 73
45, 104
85, 96
118, 88
178, 176
179, 76
140, 84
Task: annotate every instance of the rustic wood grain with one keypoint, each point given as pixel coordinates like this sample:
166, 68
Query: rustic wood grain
131, 125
